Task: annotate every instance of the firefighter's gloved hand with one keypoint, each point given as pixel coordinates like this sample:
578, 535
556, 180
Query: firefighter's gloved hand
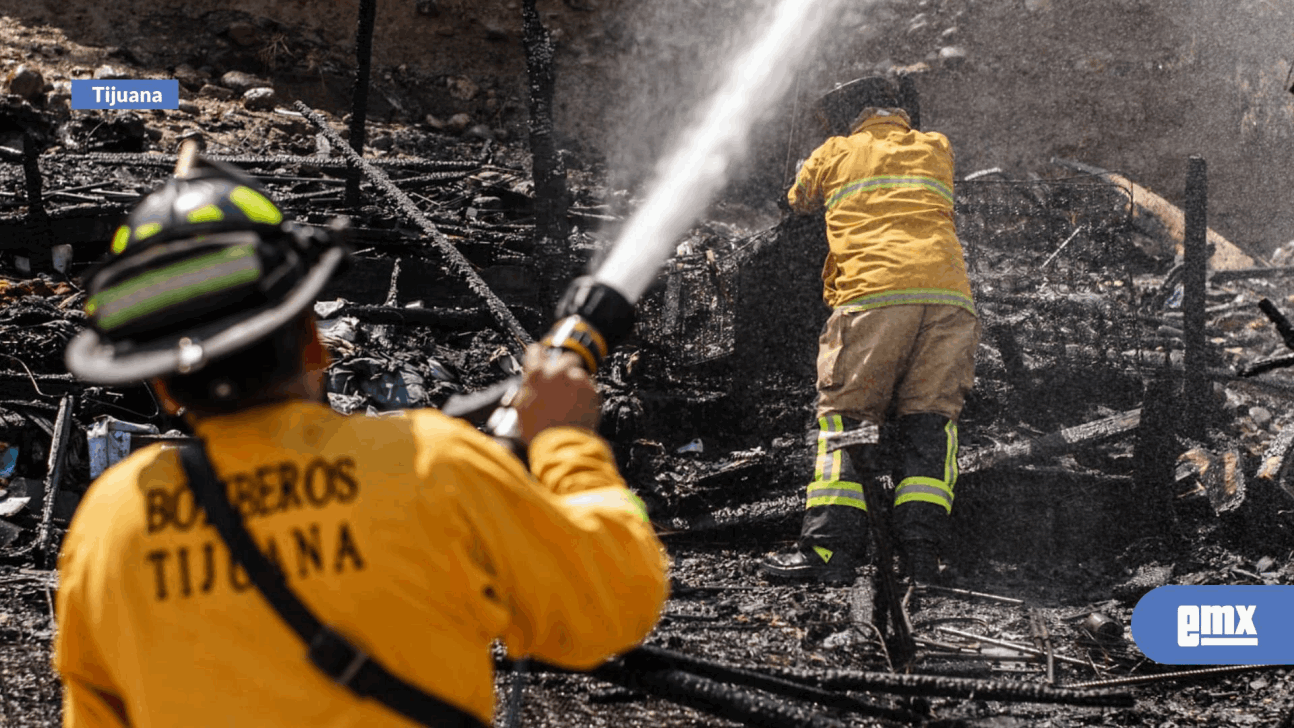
556, 391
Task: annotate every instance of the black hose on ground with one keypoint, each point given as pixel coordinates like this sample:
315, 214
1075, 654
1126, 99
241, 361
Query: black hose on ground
646, 659
953, 687
714, 697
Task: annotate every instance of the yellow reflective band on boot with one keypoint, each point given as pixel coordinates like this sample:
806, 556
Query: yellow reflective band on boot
835, 493
826, 554
827, 466
933, 490
929, 490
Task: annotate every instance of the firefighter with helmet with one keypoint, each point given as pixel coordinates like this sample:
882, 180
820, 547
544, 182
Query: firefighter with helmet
901, 338
413, 541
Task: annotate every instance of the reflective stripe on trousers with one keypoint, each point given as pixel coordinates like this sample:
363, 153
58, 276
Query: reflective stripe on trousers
933, 490
832, 473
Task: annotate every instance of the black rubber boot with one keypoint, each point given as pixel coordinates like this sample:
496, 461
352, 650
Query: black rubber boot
818, 564
919, 527
840, 528
833, 536
929, 467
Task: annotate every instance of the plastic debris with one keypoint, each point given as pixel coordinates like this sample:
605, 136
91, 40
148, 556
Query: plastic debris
109, 440
8, 460
694, 446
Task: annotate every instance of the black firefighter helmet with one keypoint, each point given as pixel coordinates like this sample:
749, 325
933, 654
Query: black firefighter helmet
202, 267
839, 106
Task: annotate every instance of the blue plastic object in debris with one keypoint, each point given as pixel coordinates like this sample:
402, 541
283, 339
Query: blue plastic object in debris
1174, 300
8, 461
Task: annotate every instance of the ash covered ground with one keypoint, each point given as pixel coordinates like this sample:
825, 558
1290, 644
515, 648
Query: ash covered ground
709, 403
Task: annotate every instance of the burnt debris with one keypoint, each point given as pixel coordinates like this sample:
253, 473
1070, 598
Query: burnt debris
1084, 485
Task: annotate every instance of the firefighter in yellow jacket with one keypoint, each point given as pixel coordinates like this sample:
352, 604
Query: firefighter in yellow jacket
415, 537
902, 334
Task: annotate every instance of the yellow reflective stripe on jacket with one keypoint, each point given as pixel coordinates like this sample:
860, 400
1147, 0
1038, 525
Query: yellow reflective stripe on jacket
910, 296
919, 182
933, 490
835, 493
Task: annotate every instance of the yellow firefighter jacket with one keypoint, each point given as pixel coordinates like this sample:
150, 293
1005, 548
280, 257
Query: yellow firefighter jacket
888, 195
415, 536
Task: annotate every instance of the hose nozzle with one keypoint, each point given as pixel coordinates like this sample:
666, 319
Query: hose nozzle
592, 318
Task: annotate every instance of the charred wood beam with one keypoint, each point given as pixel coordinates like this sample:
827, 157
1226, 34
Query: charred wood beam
551, 196
279, 160
1056, 443
507, 323
1225, 276
1036, 652
448, 318
433, 178
1195, 262
359, 98
38, 217
1275, 464
1155, 453
54, 474
21, 384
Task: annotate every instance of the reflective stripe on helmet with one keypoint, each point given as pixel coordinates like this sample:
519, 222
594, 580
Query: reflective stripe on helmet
146, 230
120, 239
234, 266
255, 205
206, 213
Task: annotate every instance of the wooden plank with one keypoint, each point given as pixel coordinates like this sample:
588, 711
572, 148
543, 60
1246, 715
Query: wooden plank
1162, 220
1056, 443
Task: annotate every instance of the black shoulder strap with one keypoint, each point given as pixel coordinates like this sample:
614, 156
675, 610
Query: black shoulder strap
341, 661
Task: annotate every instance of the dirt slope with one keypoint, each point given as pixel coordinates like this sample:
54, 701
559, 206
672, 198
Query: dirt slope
1129, 85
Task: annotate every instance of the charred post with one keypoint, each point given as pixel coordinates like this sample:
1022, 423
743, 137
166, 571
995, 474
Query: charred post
359, 98
551, 197
37, 216
1195, 264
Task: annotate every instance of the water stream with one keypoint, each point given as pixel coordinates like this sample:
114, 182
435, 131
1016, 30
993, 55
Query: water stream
697, 169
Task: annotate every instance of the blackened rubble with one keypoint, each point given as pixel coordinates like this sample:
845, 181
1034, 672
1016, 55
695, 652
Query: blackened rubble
1069, 432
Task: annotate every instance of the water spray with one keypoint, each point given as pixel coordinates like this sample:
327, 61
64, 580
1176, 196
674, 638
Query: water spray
597, 310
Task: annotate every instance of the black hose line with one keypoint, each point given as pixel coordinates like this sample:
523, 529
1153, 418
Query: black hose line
714, 697
647, 659
953, 687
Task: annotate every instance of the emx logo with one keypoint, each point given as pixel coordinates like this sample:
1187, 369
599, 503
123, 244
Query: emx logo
1211, 625
1216, 625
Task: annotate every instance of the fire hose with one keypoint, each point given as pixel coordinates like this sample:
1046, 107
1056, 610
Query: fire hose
743, 694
